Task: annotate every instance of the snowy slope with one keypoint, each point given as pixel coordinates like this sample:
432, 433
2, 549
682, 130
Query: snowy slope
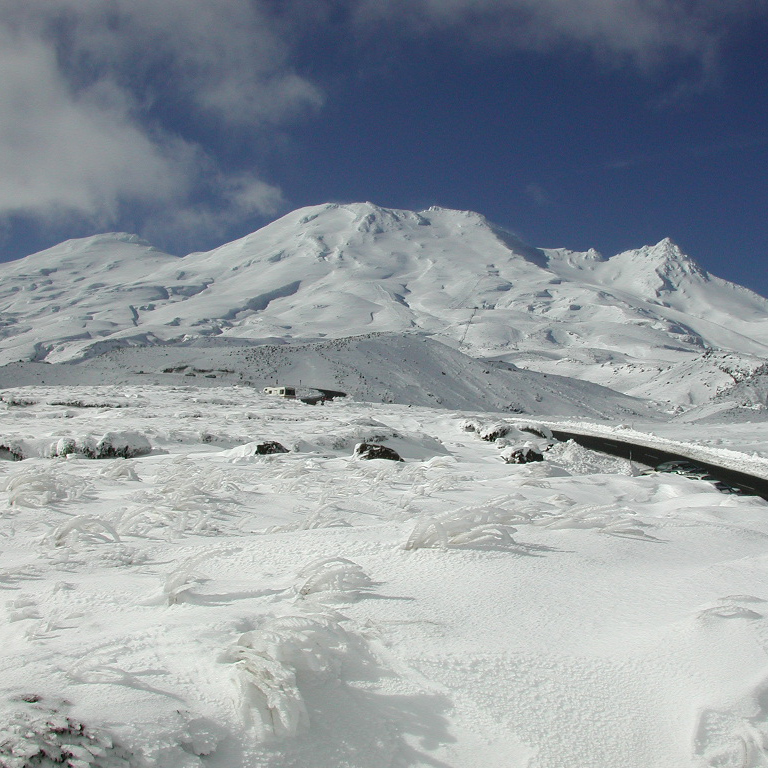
206, 606
333, 271
408, 369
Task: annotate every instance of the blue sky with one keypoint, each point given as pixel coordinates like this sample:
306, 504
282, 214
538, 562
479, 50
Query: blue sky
576, 123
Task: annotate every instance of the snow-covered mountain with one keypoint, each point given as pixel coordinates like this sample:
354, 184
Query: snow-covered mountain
333, 271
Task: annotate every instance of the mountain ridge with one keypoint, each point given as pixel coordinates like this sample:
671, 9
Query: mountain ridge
336, 270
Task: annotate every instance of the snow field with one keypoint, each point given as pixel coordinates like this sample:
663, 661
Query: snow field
204, 606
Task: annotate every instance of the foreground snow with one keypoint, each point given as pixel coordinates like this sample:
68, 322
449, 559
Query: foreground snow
203, 605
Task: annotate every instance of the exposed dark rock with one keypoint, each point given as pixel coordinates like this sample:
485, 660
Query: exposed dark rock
521, 455
270, 447
121, 445
494, 432
375, 451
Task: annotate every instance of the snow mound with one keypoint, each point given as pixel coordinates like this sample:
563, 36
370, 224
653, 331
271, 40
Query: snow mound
111, 445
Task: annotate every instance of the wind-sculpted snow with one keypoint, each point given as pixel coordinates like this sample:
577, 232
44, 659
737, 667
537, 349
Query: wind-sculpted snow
208, 605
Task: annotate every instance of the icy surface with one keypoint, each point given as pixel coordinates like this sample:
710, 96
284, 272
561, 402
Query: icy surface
206, 606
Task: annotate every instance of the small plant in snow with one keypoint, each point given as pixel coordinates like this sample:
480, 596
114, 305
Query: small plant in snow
84, 529
47, 738
468, 525
611, 519
184, 499
33, 487
120, 469
320, 518
332, 576
181, 581
273, 664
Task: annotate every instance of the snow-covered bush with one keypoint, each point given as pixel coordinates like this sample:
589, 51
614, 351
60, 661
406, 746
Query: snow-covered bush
540, 430
492, 432
11, 450
36, 487
126, 444
47, 738
583, 461
521, 454
273, 664
488, 524
333, 577
123, 445
357, 431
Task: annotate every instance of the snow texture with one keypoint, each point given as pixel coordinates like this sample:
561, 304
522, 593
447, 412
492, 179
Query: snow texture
206, 605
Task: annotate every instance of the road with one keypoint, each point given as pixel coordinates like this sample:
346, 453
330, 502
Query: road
652, 457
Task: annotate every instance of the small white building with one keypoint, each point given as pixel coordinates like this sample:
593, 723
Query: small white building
287, 392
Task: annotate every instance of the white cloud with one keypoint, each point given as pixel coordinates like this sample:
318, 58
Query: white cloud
85, 85
645, 32
82, 82
82, 152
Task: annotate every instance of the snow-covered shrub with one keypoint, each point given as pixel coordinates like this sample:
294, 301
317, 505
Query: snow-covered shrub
12, 399
65, 446
11, 450
334, 576
469, 525
583, 461
123, 445
492, 432
111, 445
273, 664
37, 487
540, 430
83, 528
358, 431
46, 738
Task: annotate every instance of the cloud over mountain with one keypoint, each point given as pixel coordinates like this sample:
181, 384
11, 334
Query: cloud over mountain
108, 106
88, 88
